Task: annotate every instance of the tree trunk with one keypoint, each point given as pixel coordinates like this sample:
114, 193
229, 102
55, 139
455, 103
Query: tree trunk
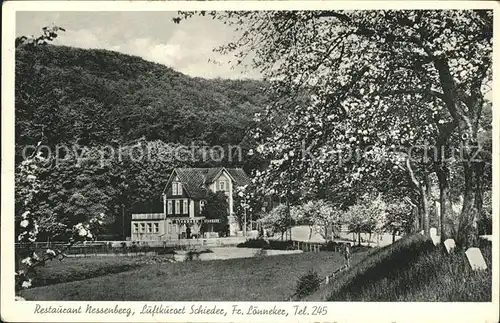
359, 238
423, 192
310, 232
466, 110
478, 193
467, 226
425, 209
445, 231
416, 218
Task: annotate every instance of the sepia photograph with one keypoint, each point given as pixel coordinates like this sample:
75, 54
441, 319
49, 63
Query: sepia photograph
259, 156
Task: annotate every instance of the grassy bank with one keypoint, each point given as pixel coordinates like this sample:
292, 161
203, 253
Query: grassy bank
411, 269
269, 278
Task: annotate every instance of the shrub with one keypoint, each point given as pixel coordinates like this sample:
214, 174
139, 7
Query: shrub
165, 251
307, 284
280, 245
192, 255
267, 244
253, 243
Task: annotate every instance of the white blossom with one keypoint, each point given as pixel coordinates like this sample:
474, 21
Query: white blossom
26, 283
82, 232
27, 261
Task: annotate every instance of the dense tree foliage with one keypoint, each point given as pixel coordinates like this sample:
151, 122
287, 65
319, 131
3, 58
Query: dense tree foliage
217, 207
98, 97
381, 82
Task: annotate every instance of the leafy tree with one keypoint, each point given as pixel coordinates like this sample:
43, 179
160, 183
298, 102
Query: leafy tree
321, 217
277, 220
398, 218
366, 216
217, 207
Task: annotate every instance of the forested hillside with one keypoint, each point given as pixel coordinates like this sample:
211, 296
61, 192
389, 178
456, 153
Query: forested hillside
95, 97
74, 98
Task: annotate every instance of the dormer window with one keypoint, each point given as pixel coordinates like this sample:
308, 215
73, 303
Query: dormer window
222, 185
176, 188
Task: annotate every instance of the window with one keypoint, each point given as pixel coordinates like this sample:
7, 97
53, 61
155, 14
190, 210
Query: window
150, 227
156, 227
169, 207
136, 227
222, 185
185, 207
176, 188
143, 227
177, 206
202, 205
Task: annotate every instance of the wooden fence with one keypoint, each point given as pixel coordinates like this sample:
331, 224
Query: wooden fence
307, 246
325, 281
316, 246
126, 248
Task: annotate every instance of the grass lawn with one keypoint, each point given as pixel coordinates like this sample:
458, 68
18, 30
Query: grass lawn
268, 278
411, 270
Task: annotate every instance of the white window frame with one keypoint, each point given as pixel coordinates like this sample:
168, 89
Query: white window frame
149, 227
202, 205
177, 206
185, 206
222, 185
136, 227
142, 227
176, 188
156, 227
169, 207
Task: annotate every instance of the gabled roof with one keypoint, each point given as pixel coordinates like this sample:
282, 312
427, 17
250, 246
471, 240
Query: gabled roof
195, 180
239, 176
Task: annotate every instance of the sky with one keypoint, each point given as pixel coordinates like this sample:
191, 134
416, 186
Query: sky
186, 47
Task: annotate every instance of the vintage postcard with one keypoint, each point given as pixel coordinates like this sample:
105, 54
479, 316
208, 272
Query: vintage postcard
250, 161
